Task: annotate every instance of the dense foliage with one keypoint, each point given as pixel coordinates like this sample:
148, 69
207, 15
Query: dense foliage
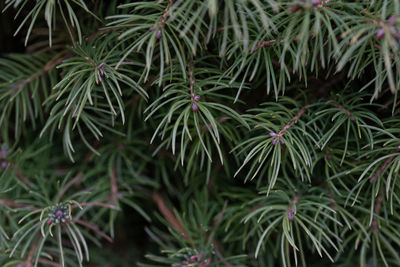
199, 133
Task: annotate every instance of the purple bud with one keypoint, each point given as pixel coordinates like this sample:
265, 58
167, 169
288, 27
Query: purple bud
274, 141
50, 221
315, 2
290, 216
398, 147
4, 164
329, 156
151, 29
59, 213
352, 118
158, 34
380, 34
272, 134
392, 19
281, 140
193, 259
207, 262
291, 210
294, 8
266, 43
194, 107
3, 154
196, 98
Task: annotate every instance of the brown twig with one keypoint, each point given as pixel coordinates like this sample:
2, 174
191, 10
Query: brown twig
293, 120
381, 169
348, 113
264, 44
220, 216
47, 262
169, 215
377, 209
94, 228
114, 187
49, 66
28, 261
21, 176
218, 252
191, 80
166, 13
75, 180
13, 204
103, 31
96, 204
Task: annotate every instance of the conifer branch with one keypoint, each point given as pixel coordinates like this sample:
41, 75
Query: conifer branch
169, 215
381, 169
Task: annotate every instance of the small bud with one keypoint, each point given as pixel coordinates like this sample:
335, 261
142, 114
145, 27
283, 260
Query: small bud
315, 2
50, 221
392, 19
372, 179
196, 98
59, 213
158, 34
290, 216
329, 156
274, 141
294, 8
3, 154
380, 34
266, 43
207, 262
398, 148
352, 118
151, 29
281, 141
272, 134
194, 107
4, 164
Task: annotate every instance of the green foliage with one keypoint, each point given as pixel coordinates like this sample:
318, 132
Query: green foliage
27, 76
200, 133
